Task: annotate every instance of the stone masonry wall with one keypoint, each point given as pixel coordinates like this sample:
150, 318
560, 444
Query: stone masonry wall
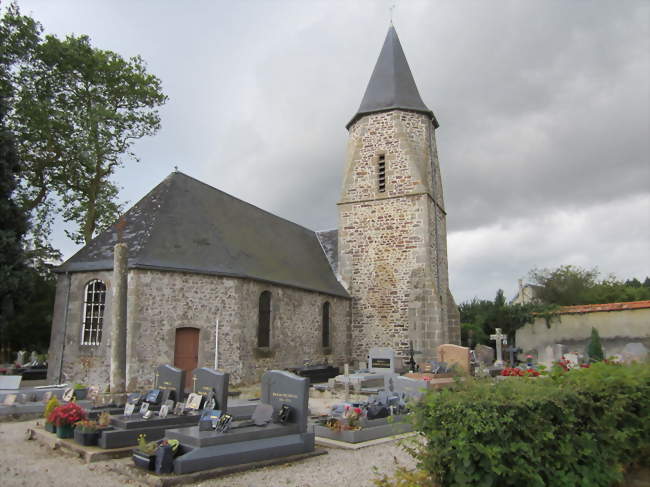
160, 302
392, 244
88, 364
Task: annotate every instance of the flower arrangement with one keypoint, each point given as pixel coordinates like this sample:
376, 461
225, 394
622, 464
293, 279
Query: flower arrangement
86, 426
67, 415
148, 448
517, 372
78, 387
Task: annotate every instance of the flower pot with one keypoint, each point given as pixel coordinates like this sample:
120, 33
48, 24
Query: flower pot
80, 394
86, 439
144, 460
50, 427
65, 431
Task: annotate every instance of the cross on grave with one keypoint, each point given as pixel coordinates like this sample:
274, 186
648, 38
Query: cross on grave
155, 380
512, 350
500, 339
194, 384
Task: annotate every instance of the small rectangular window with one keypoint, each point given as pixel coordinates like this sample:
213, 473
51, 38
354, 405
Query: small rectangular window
382, 173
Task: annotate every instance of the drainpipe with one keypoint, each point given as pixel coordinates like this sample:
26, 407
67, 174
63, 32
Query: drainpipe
65, 326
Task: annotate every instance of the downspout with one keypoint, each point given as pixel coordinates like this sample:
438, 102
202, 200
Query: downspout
65, 325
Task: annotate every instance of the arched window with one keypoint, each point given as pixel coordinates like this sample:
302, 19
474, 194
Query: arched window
93, 317
264, 321
326, 325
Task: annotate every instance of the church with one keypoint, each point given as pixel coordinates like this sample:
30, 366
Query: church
208, 280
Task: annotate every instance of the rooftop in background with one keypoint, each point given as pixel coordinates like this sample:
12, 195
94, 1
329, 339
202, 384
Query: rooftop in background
391, 85
185, 225
592, 308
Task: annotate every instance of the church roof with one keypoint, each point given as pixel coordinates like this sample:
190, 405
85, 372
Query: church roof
186, 225
391, 85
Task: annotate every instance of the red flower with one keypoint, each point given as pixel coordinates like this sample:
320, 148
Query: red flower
67, 414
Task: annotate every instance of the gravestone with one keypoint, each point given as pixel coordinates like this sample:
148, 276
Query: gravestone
634, 352
411, 388
171, 379
381, 360
454, 355
484, 354
209, 382
279, 388
246, 443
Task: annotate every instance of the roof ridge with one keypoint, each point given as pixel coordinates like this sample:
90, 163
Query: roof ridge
245, 202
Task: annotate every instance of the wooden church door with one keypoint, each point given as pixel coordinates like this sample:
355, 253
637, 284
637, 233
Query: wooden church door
186, 353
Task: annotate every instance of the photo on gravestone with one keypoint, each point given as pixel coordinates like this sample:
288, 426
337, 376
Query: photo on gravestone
170, 404
68, 393
144, 407
164, 410
179, 409
210, 402
129, 409
194, 401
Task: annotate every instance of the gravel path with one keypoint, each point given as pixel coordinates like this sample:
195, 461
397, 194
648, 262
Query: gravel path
27, 463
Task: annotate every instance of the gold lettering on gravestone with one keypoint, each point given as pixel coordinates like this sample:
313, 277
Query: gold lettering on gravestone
283, 396
165, 386
380, 363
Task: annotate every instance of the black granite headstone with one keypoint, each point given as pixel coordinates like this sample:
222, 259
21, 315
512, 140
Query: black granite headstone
209, 381
171, 379
280, 388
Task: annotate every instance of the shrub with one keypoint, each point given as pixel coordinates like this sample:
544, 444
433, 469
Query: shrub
595, 349
580, 428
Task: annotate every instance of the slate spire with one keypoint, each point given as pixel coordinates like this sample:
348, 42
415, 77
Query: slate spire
391, 85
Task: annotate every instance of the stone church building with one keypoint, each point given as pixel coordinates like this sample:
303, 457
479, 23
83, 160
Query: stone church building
208, 278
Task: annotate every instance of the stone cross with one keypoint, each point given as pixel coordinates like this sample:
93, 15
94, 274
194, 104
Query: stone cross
512, 350
500, 339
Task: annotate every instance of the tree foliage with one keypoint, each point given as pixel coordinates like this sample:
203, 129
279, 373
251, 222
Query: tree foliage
76, 112
572, 285
595, 348
479, 318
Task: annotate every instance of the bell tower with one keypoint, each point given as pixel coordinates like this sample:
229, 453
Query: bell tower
392, 220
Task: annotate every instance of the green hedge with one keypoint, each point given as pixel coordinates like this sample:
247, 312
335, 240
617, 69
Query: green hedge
580, 428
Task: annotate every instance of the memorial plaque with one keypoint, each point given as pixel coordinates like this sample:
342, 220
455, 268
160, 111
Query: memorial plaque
68, 394
129, 409
153, 396
144, 407
10, 399
164, 410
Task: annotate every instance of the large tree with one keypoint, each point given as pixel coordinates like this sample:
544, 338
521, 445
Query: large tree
571, 285
76, 112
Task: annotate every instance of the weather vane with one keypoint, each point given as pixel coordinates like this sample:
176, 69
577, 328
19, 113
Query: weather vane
175, 168
392, 7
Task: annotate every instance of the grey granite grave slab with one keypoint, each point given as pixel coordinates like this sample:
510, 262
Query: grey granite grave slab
201, 450
381, 360
280, 387
10, 382
243, 452
371, 430
170, 378
209, 380
126, 429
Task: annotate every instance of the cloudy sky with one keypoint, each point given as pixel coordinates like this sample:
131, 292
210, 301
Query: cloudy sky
543, 111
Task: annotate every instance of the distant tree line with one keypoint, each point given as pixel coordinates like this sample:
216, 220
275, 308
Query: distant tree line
565, 286
69, 115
